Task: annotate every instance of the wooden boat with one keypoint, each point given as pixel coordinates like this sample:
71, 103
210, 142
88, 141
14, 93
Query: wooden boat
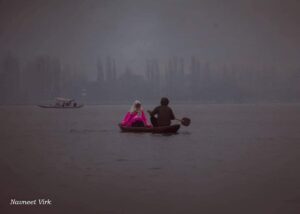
63, 103
61, 107
161, 129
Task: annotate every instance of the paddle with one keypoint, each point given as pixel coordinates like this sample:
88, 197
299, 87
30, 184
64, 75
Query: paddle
184, 121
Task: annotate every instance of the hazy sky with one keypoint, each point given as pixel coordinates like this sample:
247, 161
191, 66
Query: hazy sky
79, 31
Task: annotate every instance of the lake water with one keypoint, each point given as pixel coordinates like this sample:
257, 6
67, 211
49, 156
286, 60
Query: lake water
232, 159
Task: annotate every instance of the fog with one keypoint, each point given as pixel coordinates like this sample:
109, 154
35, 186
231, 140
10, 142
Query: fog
116, 51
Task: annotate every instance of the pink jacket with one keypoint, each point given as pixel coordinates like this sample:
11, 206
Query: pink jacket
130, 118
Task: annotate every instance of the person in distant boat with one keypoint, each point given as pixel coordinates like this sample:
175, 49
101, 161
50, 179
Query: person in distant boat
136, 116
162, 115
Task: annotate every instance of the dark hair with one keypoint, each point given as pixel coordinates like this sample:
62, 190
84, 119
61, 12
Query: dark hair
164, 101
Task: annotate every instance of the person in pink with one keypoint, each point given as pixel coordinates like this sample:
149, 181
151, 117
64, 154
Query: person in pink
135, 117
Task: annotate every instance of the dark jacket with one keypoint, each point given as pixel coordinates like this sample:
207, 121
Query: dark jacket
164, 115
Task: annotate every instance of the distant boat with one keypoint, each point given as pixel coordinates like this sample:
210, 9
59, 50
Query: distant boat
64, 107
63, 103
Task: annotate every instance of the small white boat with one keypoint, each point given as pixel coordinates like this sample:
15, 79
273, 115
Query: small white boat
63, 103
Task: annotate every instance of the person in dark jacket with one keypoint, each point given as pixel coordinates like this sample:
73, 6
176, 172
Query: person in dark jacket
162, 115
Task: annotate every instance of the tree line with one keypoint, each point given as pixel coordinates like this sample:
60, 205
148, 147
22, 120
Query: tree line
181, 79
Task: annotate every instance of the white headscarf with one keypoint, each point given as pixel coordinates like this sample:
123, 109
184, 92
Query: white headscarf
133, 108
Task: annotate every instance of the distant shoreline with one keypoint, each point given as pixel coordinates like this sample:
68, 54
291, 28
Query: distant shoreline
173, 103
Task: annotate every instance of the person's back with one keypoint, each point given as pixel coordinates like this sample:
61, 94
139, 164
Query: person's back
164, 114
135, 117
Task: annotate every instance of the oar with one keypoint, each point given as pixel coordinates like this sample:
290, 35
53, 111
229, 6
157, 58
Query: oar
184, 121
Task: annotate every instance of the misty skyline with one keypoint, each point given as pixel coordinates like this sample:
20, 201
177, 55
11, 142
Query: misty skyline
255, 33
191, 81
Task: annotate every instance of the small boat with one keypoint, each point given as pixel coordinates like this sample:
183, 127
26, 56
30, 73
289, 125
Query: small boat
63, 103
63, 107
161, 129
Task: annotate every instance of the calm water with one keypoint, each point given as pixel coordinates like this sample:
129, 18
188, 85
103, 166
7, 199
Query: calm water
232, 159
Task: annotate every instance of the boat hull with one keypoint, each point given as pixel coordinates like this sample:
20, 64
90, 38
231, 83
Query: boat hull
60, 107
162, 129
